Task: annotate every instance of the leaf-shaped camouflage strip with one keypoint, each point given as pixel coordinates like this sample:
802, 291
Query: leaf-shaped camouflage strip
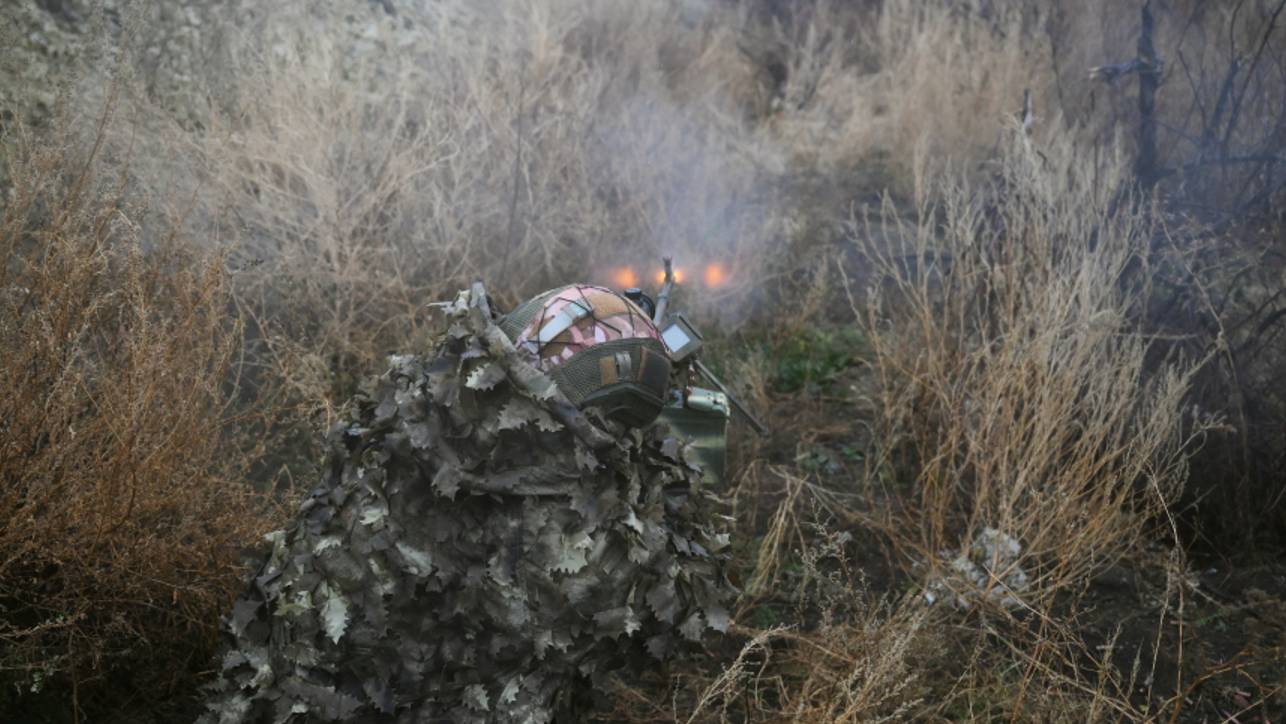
475, 549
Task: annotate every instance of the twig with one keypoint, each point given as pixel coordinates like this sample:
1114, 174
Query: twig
1225, 93
1250, 74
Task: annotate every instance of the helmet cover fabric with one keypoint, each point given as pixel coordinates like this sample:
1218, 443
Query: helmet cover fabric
578, 317
599, 347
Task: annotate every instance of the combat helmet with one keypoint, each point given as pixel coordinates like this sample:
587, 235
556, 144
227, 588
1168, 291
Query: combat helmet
600, 348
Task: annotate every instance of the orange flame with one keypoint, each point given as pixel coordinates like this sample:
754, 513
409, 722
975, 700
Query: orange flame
625, 277
715, 275
679, 276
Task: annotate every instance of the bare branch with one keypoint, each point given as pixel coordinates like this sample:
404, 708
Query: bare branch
1250, 74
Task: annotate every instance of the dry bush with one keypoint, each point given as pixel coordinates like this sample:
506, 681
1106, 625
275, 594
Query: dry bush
1220, 124
1232, 302
1220, 102
848, 658
357, 173
1014, 380
357, 164
868, 86
121, 497
856, 658
874, 84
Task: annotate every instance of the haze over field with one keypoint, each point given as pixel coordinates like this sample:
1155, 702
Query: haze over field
1005, 279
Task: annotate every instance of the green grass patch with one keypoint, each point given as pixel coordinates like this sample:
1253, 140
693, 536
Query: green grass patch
814, 360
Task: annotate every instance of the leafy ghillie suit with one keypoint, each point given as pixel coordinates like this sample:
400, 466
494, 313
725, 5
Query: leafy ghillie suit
477, 549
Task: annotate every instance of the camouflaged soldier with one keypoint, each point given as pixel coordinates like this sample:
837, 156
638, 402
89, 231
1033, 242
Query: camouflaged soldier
496, 525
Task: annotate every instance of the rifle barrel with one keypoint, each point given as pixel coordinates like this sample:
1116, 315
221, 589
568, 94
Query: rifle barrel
663, 298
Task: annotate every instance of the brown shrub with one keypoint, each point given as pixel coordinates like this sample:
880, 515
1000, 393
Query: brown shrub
120, 493
848, 655
524, 143
1015, 388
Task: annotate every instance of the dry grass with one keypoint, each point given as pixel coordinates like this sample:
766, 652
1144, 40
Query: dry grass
848, 658
1015, 385
881, 85
124, 512
521, 142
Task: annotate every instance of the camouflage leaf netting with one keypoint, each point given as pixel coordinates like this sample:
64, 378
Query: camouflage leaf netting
477, 551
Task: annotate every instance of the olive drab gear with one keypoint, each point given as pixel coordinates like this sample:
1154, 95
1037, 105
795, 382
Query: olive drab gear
599, 347
479, 547
702, 421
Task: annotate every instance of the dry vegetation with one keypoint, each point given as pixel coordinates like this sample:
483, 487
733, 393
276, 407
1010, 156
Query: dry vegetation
957, 322
1010, 348
122, 484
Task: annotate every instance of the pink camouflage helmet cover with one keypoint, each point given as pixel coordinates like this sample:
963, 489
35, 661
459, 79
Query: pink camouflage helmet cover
577, 317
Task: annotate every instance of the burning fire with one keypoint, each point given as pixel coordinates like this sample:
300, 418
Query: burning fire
712, 276
625, 278
679, 275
